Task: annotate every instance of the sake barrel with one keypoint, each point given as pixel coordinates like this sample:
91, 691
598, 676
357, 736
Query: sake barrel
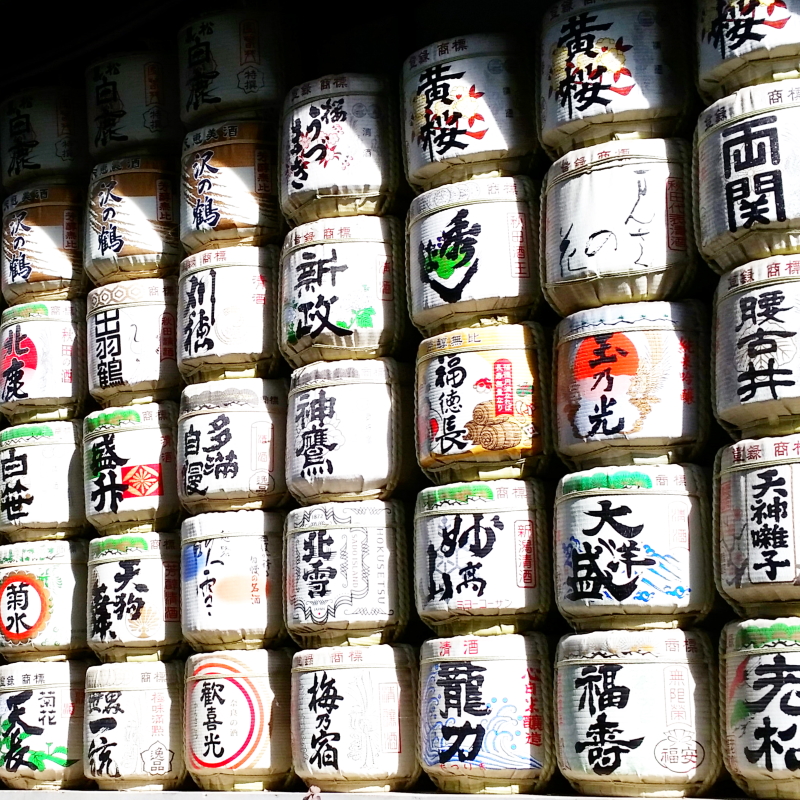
349, 430
741, 45
41, 705
230, 64
132, 221
638, 246
231, 445
129, 479
44, 361
41, 481
131, 103
227, 312
468, 110
482, 407
132, 732
744, 208
462, 533
343, 292
228, 191
755, 314
232, 580
338, 743
42, 600
760, 660
472, 253
42, 255
485, 721
659, 688
339, 148
131, 337
228, 751
616, 71
632, 547
755, 535
42, 137
631, 384
346, 573
133, 600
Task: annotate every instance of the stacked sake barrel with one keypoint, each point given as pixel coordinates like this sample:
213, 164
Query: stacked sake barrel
631, 522
481, 550
342, 321
749, 64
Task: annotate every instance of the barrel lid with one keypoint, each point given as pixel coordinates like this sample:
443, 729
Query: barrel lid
237, 394
486, 190
752, 276
655, 479
36, 433
749, 636
118, 419
134, 545
132, 164
395, 656
43, 675
756, 453
493, 337
232, 663
458, 48
231, 523
65, 195
506, 647
643, 646
73, 311
339, 373
479, 496
342, 230
132, 675
235, 131
49, 551
264, 257
143, 291
360, 514
344, 83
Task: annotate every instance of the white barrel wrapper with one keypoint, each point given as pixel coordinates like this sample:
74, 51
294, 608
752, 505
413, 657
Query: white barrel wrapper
339, 148
757, 542
227, 314
228, 190
343, 290
232, 445
631, 384
129, 463
42, 256
131, 104
133, 608
346, 573
237, 720
756, 360
760, 661
747, 205
132, 221
44, 361
468, 110
632, 547
486, 713
41, 481
472, 254
742, 44
481, 403
41, 715
467, 536
42, 600
640, 246
616, 70
348, 430
366, 695
42, 137
232, 580
229, 65
637, 713
133, 726
131, 339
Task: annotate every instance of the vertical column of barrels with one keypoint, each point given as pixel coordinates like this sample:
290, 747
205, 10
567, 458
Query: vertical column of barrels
232, 423
746, 213
482, 579
42, 392
342, 321
631, 524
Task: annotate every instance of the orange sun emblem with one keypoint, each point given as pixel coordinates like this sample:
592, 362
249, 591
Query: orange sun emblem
612, 353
